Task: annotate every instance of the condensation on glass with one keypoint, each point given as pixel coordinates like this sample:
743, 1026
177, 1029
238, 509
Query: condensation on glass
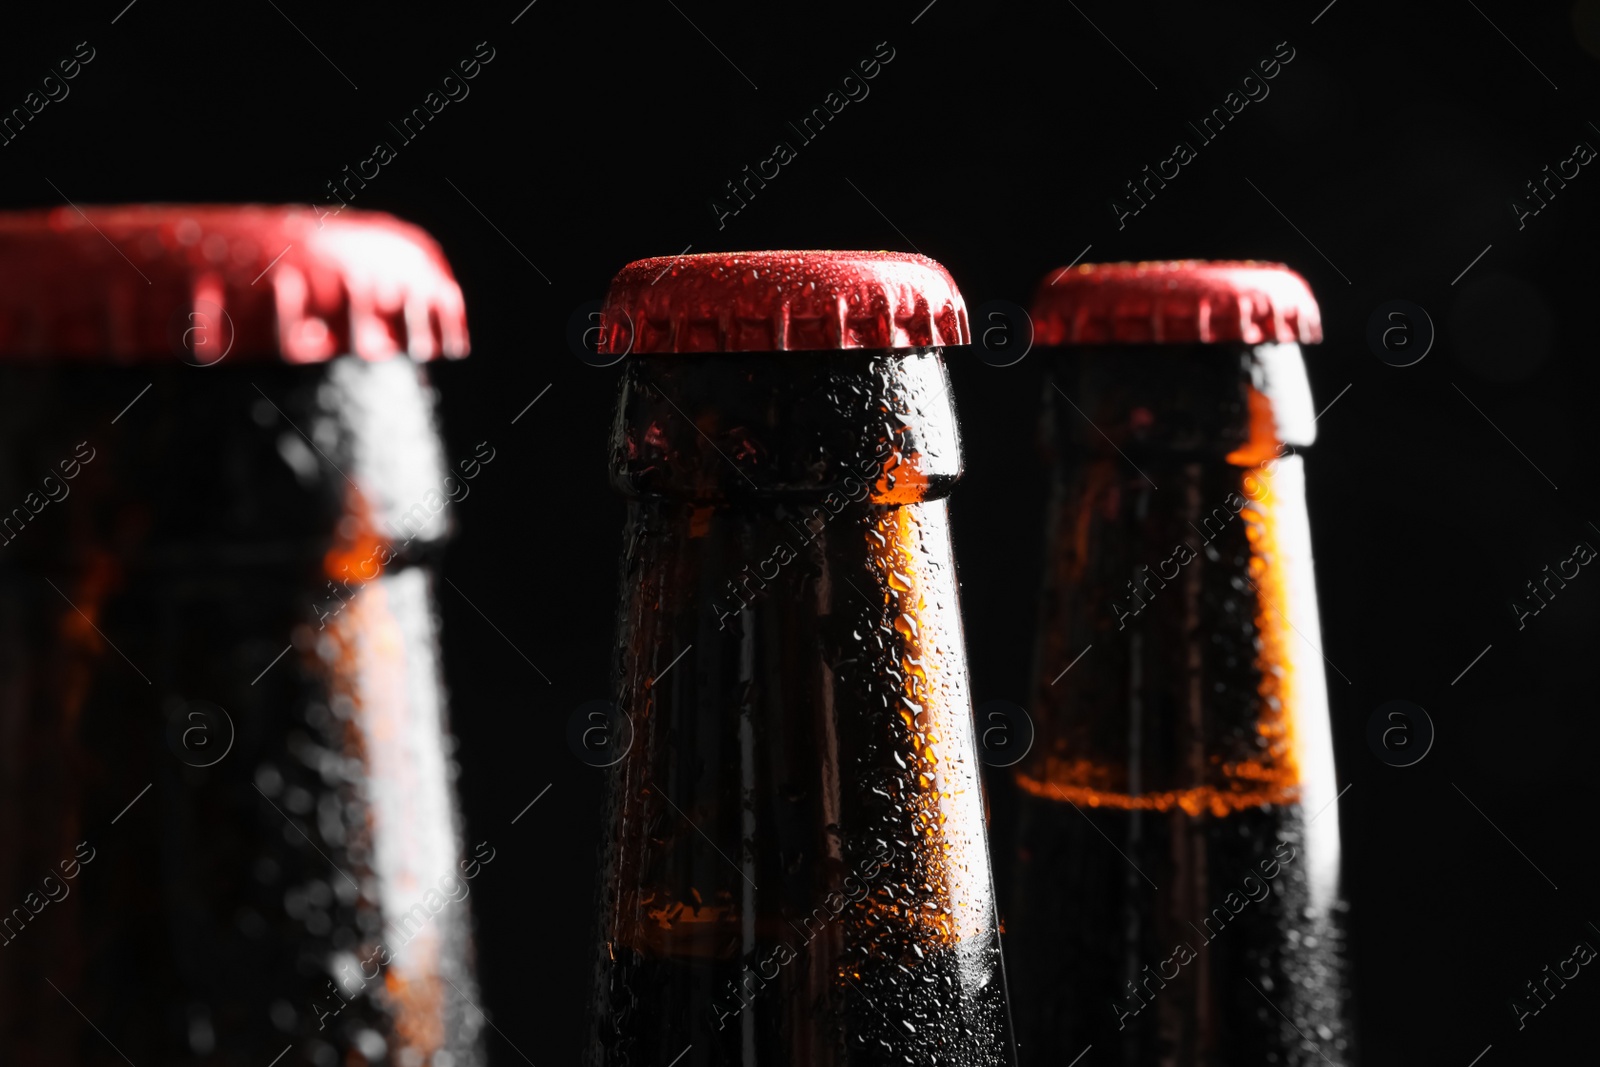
227, 815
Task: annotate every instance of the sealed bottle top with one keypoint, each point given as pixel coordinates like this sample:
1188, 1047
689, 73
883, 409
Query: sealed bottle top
261, 345
1183, 356
1186, 301
782, 301
129, 283
718, 425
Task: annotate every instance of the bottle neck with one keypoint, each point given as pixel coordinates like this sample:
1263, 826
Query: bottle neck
1235, 402
798, 426
225, 467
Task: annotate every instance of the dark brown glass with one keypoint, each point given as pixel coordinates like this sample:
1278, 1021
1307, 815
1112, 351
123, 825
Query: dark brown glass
179, 885
796, 869
1175, 896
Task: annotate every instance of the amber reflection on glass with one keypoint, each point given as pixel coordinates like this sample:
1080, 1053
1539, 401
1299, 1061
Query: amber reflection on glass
1274, 776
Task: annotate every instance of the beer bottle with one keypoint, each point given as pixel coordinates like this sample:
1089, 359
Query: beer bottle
796, 869
227, 823
1176, 892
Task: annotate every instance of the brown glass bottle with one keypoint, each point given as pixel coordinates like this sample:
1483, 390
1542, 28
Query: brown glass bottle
1175, 899
796, 866
227, 824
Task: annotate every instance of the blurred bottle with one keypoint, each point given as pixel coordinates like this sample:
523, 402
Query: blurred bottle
796, 868
1175, 899
227, 822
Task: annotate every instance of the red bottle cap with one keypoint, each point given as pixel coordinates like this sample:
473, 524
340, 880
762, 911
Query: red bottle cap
781, 301
128, 283
1177, 302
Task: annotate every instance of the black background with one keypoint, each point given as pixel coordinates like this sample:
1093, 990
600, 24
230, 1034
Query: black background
1396, 140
